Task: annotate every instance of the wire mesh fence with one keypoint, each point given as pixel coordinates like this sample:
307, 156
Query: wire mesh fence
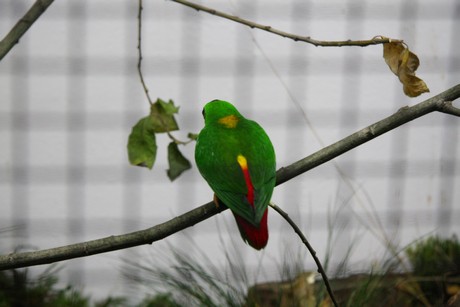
70, 94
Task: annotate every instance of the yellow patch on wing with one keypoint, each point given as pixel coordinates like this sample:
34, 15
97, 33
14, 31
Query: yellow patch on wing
242, 162
247, 178
229, 121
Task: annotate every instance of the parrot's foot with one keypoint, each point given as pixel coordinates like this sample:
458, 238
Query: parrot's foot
216, 201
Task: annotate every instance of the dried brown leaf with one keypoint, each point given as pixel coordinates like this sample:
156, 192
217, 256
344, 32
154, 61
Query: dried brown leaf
392, 55
403, 63
413, 86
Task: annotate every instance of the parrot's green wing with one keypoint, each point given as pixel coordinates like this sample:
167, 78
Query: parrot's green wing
239, 203
228, 135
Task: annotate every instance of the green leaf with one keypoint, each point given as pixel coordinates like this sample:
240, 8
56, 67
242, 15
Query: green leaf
168, 107
162, 115
177, 162
142, 147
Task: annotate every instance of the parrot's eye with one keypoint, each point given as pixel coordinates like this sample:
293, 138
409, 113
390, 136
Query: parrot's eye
204, 113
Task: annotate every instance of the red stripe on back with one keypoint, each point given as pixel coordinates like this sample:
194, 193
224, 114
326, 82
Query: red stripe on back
247, 178
256, 236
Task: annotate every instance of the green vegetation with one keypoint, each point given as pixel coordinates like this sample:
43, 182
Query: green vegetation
189, 281
433, 280
18, 289
436, 263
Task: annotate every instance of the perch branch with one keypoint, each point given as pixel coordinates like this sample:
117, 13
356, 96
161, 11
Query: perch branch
21, 27
111, 243
377, 40
310, 249
440, 102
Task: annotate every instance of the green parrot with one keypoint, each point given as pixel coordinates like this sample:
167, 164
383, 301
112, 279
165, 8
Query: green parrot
236, 157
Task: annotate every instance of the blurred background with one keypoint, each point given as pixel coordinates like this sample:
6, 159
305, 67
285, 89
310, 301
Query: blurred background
70, 94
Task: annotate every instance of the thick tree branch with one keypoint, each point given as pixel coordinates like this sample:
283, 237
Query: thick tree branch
307, 39
440, 102
112, 243
21, 27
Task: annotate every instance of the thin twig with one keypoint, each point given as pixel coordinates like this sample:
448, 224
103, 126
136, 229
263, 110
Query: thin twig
139, 52
21, 27
141, 75
310, 249
177, 141
377, 40
161, 231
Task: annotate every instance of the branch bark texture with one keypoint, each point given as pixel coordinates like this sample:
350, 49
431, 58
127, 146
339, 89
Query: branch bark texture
441, 103
112, 243
307, 39
21, 27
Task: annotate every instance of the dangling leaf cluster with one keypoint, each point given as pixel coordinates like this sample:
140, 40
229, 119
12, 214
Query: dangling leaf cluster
142, 145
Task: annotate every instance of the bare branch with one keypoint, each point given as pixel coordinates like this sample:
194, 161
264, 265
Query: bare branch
21, 27
112, 243
404, 115
310, 249
439, 103
377, 40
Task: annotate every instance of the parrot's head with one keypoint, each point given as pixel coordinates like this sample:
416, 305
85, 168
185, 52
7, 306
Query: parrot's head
221, 112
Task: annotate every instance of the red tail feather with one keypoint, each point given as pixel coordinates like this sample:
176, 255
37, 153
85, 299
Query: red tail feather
257, 237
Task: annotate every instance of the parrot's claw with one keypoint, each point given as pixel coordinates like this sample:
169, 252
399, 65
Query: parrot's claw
216, 201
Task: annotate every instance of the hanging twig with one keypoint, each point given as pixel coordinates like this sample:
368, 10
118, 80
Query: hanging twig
141, 75
139, 52
310, 249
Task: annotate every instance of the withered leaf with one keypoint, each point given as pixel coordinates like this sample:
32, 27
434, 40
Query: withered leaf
403, 63
177, 162
142, 147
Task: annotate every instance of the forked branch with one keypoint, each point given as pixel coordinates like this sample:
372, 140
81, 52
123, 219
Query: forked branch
441, 103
